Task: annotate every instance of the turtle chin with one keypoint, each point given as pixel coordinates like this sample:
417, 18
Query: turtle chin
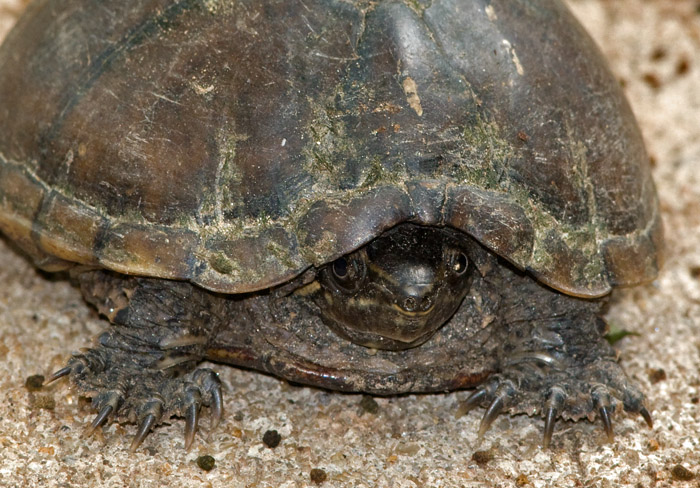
397, 341
384, 326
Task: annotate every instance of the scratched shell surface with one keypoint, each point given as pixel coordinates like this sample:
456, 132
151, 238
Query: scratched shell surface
236, 143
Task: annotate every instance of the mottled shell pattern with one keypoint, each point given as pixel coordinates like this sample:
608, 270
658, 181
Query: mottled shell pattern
236, 143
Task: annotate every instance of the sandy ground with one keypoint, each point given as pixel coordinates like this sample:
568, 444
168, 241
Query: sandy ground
411, 441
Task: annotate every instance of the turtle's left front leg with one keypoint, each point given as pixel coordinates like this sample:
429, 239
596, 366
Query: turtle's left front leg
143, 368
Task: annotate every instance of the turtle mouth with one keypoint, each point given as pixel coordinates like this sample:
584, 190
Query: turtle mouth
413, 313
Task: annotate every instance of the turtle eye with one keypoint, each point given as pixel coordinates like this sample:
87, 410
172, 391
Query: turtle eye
340, 268
347, 273
458, 263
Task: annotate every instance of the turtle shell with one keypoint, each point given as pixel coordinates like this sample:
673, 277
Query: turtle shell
236, 143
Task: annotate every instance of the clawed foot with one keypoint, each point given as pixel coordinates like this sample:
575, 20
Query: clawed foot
145, 396
596, 391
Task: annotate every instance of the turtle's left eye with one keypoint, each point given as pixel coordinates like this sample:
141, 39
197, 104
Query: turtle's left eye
460, 264
457, 262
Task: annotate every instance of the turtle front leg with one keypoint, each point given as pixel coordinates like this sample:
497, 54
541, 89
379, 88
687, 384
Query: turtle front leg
143, 368
555, 362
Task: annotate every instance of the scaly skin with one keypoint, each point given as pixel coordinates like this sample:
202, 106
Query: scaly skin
527, 349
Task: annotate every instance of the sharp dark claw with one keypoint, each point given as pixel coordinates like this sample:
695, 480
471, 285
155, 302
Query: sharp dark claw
490, 415
144, 429
647, 417
217, 407
58, 374
549, 420
99, 420
472, 402
191, 421
554, 403
607, 423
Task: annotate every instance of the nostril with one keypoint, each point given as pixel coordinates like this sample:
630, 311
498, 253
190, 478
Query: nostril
410, 304
416, 304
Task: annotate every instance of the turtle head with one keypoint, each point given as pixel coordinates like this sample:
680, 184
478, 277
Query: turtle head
396, 291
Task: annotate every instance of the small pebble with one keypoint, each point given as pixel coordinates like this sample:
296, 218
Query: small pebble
522, 480
482, 457
681, 473
272, 438
369, 404
206, 463
34, 382
318, 476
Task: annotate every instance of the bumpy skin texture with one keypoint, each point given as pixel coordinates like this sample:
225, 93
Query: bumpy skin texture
528, 348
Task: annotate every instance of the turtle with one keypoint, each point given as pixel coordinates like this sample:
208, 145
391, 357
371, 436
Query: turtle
384, 196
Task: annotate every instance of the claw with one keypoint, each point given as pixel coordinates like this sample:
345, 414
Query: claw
491, 413
191, 421
99, 420
58, 374
549, 419
602, 400
217, 407
554, 404
607, 423
144, 429
110, 402
647, 417
153, 410
472, 402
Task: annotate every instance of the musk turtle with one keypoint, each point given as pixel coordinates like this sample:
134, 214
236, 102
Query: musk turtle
384, 196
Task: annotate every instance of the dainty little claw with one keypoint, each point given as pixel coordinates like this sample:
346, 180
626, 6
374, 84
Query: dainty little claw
194, 401
491, 413
472, 402
99, 420
108, 403
191, 421
152, 412
58, 374
549, 420
144, 429
607, 423
217, 407
554, 404
647, 417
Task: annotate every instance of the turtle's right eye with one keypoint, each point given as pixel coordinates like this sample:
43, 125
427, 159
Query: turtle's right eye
340, 268
347, 273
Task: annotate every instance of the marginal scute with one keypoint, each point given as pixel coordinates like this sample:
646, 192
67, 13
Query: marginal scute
576, 270
148, 250
68, 229
494, 219
21, 196
267, 257
336, 225
631, 259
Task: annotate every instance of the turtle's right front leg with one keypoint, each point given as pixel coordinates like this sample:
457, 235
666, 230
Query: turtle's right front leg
143, 368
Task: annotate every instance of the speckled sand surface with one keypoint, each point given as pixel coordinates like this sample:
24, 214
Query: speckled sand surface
654, 48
